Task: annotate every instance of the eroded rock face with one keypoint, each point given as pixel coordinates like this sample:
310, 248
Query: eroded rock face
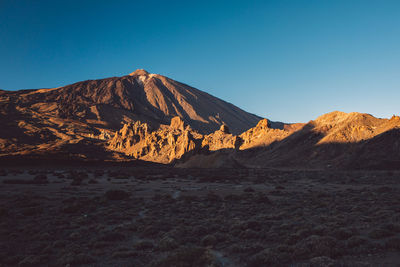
177, 124
221, 139
168, 143
225, 129
162, 145
129, 135
395, 118
262, 135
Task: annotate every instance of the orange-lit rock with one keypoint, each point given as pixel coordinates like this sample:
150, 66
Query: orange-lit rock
161, 145
221, 139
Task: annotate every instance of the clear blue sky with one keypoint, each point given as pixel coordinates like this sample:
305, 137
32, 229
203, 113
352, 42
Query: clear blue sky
285, 60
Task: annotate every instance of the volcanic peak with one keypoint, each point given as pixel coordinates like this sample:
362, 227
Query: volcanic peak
139, 72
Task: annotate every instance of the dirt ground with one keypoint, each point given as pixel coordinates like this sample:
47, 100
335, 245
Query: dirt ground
144, 216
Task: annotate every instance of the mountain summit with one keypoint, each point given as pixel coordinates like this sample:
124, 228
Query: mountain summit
139, 72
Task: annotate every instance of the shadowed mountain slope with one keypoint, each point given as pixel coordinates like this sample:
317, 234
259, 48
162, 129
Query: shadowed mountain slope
337, 139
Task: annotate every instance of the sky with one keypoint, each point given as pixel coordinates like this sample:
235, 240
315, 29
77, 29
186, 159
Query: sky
289, 61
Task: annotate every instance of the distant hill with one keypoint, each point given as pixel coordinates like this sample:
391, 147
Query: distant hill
334, 140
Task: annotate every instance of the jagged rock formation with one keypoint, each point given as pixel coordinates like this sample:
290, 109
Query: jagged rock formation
169, 143
221, 139
162, 145
102, 136
262, 135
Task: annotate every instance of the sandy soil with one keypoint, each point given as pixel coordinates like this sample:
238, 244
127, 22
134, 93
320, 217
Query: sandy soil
187, 217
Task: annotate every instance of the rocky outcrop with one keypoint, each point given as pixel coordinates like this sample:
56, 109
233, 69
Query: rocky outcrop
168, 143
221, 139
262, 135
162, 145
177, 124
103, 135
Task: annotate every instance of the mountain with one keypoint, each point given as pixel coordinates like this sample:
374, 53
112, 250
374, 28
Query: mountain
150, 117
138, 96
47, 119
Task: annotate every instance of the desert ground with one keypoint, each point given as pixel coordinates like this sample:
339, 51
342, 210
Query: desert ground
163, 216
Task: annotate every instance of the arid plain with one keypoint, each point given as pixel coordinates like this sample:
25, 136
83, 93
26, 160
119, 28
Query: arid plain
142, 170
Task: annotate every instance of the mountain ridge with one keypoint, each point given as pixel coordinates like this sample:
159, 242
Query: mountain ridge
151, 117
